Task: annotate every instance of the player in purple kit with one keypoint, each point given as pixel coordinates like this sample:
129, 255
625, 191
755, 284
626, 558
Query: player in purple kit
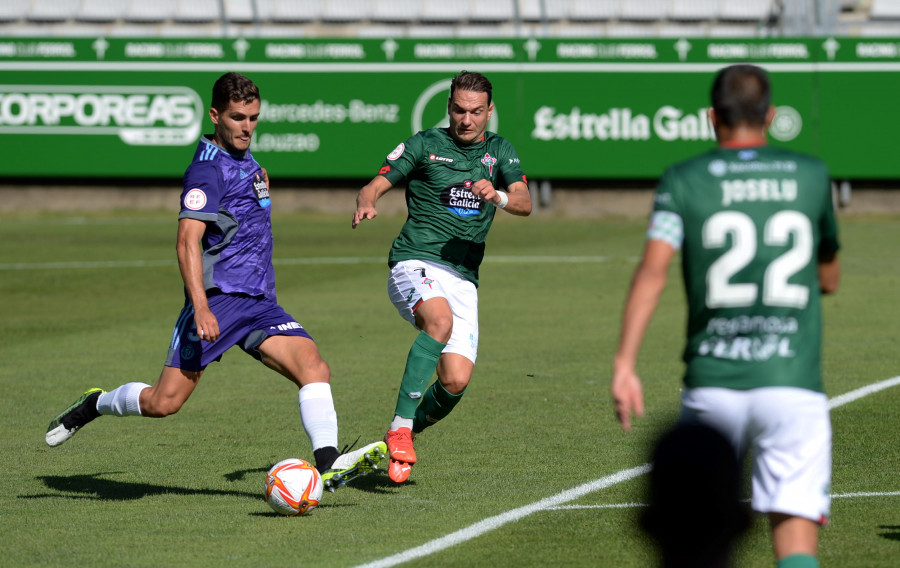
224, 248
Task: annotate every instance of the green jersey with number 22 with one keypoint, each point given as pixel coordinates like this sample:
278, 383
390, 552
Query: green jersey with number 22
752, 223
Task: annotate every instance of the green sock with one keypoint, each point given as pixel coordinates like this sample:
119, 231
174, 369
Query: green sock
798, 561
436, 404
420, 366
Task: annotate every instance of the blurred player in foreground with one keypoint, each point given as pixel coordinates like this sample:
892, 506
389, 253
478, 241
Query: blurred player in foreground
224, 248
695, 514
455, 177
759, 241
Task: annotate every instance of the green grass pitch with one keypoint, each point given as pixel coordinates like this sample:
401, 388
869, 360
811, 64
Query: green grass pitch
91, 301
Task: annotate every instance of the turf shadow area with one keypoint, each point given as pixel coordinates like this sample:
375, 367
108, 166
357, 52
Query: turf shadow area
93, 486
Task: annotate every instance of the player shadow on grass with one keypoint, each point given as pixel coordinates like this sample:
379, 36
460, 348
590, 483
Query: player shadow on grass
92, 486
892, 532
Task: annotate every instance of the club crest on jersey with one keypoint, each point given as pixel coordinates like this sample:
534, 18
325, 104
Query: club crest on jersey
261, 191
490, 162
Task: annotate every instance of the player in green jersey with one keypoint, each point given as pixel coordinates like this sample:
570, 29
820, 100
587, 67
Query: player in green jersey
457, 177
758, 240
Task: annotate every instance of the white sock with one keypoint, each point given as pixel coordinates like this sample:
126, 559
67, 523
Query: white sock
123, 401
318, 415
400, 422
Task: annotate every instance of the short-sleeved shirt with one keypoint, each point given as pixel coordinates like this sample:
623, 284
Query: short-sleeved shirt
446, 223
229, 194
752, 223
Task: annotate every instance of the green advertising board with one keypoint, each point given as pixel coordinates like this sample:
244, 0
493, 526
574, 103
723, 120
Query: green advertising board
573, 108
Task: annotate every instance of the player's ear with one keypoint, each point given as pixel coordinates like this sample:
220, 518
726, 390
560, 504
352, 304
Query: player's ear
770, 116
711, 114
214, 115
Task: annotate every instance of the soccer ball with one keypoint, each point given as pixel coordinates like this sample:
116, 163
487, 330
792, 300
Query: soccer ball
293, 487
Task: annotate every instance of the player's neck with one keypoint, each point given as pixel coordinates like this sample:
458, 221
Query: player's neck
741, 137
234, 152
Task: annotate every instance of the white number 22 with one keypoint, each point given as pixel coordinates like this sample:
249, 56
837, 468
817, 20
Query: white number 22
722, 293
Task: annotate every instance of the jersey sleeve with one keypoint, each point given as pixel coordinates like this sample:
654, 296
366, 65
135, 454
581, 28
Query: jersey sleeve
510, 166
402, 160
200, 197
666, 223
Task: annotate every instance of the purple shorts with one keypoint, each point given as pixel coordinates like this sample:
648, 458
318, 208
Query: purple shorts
243, 320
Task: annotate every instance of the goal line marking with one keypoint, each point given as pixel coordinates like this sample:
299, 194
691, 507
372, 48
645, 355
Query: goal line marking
497, 521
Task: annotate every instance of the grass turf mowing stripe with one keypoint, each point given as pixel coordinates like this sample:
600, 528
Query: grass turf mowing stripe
497, 521
291, 261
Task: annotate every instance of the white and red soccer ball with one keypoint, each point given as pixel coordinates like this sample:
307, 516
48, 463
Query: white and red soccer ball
293, 487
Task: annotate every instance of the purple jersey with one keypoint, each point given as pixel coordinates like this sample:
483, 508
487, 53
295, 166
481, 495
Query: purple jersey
228, 193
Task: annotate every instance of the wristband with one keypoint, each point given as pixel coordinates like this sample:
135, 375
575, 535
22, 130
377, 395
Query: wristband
504, 199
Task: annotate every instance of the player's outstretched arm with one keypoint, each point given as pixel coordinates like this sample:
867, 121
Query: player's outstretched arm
367, 197
646, 287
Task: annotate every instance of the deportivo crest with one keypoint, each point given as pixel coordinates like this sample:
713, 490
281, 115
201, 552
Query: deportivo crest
490, 162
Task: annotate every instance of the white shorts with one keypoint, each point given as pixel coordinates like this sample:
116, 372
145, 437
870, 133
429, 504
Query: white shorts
788, 431
411, 282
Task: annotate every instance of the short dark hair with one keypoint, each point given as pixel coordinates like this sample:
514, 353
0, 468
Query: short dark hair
233, 87
741, 94
471, 81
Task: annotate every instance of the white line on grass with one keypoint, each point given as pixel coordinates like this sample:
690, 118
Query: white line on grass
861, 392
497, 521
638, 505
292, 261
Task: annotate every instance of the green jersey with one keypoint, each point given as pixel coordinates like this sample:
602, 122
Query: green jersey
752, 223
446, 223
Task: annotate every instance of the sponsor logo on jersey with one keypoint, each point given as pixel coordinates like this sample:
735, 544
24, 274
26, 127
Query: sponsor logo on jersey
138, 115
436, 158
717, 168
458, 199
397, 152
195, 199
261, 191
384, 169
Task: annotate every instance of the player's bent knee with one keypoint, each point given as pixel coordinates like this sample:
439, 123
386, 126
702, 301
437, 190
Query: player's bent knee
320, 372
156, 408
440, 328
